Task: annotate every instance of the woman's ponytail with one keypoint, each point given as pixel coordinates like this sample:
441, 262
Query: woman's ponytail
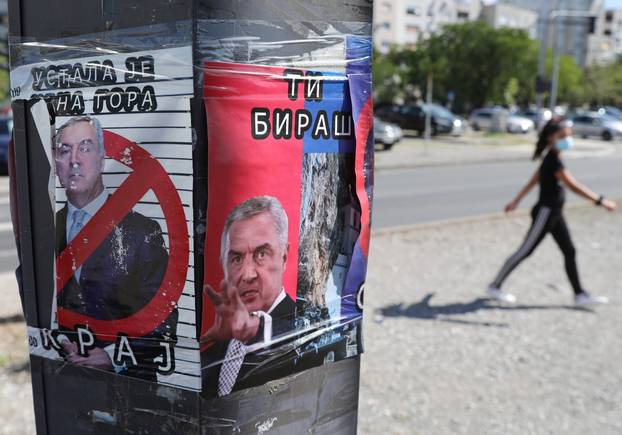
551, 127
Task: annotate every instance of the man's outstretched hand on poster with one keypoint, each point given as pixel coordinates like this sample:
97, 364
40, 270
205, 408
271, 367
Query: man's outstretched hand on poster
232, 317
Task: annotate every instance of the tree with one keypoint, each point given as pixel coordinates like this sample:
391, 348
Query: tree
603, 84
474, 61
570, 79
511, 92
387, 81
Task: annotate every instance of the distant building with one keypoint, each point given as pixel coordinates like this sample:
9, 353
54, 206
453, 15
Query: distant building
468, 10
534, 5
406, 22
571, 35
500, 15
605, 46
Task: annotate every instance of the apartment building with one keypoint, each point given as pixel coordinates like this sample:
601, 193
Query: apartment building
571, 35
605, 46
500, 15
406, 22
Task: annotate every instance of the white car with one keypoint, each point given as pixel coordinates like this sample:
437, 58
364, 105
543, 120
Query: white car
459, 127
482, 119
519, 124
386, 133
595, 124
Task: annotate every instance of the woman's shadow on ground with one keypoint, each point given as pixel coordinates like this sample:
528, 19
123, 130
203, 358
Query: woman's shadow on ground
447, 313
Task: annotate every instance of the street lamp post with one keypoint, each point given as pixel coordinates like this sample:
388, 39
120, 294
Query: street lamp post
541, 58
555, 73
554, 17
428, 112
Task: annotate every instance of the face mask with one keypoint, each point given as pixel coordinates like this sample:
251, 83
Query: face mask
564, 144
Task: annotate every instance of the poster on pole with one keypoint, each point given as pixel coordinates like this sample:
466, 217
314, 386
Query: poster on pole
284, 220
120, 147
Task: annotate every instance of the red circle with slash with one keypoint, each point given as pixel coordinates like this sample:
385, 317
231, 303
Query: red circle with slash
147, 174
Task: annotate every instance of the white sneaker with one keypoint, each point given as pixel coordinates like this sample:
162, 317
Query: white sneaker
585, 299
501, 296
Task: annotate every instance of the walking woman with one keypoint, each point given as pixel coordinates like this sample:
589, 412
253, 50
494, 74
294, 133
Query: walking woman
547, 215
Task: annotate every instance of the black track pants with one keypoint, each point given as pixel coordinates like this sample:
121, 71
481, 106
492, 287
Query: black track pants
545, 220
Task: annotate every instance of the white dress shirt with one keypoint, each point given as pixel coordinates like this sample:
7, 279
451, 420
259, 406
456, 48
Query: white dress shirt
90, 209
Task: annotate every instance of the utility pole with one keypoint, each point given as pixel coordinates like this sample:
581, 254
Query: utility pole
428, 112
554, 17
544, 36
555, 73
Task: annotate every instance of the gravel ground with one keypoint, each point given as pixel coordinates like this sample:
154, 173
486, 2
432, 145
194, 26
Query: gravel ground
441, 359
16, 409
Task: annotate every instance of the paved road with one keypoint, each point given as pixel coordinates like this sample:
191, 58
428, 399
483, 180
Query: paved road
8, 256
427, 194
408, 196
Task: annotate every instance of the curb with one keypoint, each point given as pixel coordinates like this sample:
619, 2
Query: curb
450, 163
475, 161
404, 229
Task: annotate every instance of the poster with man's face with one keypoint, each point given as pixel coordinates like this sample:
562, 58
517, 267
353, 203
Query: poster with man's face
282, 223
121, 150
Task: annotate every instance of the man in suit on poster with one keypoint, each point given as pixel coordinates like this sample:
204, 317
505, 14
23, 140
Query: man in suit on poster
252, 306
125, 270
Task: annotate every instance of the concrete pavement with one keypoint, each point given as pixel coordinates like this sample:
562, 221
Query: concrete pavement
442, 359
16, 407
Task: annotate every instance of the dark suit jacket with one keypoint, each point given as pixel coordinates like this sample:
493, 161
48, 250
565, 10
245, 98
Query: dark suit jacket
258, 367
120, 277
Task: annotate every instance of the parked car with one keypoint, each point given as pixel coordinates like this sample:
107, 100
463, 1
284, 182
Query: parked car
386, 133
460, 126
611, 111
482, 119
520, 124
412, 117
596, 124
541, 116
6, 128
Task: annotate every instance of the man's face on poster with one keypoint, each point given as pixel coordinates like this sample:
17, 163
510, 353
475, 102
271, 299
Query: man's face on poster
79, 161
255, 261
